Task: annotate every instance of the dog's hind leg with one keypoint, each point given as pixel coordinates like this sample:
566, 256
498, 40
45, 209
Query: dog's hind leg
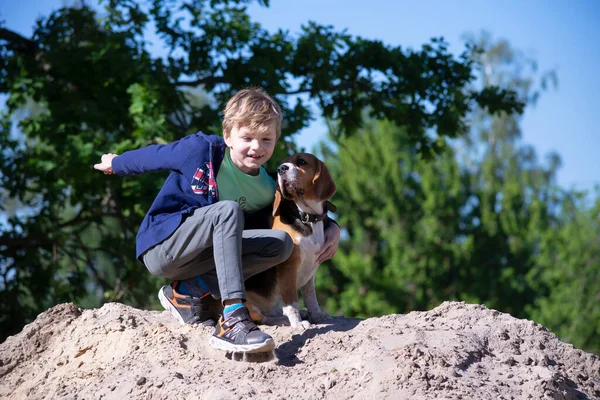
257, 305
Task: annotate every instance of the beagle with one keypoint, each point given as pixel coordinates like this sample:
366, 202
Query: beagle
304, 186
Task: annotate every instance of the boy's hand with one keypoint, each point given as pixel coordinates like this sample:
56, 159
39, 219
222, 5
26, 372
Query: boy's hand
332, 239
106, 163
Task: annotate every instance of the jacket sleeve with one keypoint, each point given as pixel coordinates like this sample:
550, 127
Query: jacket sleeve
330, 207
330, 220
158, 157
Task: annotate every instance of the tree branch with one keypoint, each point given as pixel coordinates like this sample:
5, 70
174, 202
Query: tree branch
38, 239
213, 80
17, 42
91, 218
86, 259
208, 80
27, 47
12, 244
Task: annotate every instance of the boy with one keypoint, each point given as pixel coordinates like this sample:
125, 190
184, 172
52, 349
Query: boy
193, 232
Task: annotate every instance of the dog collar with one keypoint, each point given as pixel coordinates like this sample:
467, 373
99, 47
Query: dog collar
307, 218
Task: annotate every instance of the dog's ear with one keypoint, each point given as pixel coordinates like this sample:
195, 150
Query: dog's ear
276, 202
323, 185
331, 207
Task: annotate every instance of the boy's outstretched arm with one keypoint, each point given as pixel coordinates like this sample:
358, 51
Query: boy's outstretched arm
157, 157
106, 163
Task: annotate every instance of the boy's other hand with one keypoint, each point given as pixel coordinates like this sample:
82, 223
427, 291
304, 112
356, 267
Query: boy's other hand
106, 163
332, 239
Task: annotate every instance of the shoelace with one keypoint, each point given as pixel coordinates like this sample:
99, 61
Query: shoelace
200, 308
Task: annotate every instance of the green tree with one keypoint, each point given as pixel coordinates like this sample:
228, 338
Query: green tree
569, 266
401, 219
512, 198
483, 222
464, 226
98, 89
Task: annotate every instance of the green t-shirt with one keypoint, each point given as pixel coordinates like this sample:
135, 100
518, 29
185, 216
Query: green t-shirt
252, 193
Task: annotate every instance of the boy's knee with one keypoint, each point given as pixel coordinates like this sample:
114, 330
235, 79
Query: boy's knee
287, 245
155, 264
156, 270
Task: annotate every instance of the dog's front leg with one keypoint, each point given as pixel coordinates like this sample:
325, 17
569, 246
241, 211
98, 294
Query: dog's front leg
286, 279
312, 304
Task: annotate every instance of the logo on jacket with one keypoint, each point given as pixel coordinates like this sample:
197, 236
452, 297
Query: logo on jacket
204, 181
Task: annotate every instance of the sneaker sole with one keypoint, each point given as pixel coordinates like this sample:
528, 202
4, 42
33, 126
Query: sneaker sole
168, 306
221, 344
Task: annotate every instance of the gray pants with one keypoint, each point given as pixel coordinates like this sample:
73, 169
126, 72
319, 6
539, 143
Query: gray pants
211, 243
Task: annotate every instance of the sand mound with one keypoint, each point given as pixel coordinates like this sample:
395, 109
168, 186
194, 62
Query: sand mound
455, 351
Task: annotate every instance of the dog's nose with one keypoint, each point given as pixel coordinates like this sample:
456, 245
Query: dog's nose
282, 168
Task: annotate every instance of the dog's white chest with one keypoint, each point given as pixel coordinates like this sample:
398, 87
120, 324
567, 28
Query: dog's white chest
309, 247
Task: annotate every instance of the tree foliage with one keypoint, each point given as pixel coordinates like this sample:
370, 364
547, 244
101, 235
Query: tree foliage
401, 216
85, 83
483, 222
568, 268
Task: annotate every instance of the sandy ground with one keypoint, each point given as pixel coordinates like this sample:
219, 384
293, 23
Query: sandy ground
455, 351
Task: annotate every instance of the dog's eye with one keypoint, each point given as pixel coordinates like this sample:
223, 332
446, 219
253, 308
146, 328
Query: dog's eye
301, 162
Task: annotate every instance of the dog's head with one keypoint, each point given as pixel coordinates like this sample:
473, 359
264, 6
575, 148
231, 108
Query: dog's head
303, 175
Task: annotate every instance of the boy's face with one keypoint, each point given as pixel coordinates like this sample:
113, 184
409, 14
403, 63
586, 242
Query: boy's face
248, 149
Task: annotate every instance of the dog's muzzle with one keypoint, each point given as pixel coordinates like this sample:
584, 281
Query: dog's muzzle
282, 169
288, 181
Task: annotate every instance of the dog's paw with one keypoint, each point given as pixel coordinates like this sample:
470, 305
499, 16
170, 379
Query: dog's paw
319, 317
304, 324
301, 326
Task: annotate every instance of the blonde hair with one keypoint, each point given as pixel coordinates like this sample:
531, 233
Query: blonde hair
252, 108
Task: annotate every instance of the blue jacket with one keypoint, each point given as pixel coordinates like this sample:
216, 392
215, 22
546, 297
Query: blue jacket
194, 162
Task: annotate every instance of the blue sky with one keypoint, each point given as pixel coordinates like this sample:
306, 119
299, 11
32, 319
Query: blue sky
560, 34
